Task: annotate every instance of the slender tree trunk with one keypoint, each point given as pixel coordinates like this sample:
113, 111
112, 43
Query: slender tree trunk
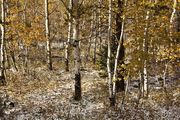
173, 22
7, 57
178, 23
26, 59
177, 40
25, 50
145, 52
90, 37
173, 14
95, 32
116, 59
141, 83
165, 74
125, 93
99, 24
111, 96
48, 42
77, 95
69, 37
89, 44
120, 53
77, 64
174, 28
2, 49
13, 60
145, 78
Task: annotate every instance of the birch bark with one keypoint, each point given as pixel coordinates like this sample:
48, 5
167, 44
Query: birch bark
120, 45
69, 36
2, 49
99, 24
145, 52
48, 43
111, 97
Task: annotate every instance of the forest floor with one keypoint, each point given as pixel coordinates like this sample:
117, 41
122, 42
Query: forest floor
48, 95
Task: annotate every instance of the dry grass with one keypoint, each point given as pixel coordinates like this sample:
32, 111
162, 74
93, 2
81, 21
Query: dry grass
51, 93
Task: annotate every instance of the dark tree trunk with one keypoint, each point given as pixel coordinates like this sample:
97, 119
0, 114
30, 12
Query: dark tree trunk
77, 55
77, 95
178, 25
77, 86
112, 101
120, 84
67, 65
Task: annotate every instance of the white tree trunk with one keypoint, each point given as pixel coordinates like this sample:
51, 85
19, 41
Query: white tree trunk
111, 97
145, 51
2, 49
99, 24
48, 43
69, 36
174, 11
117, 56
172, 18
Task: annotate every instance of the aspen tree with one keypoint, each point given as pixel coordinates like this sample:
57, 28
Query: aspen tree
99, 24
69, 36
172, 20
120, 42
90, 37
77, 95
25, 46
48, 42
145, 54
111, 96
95, 33
2, 49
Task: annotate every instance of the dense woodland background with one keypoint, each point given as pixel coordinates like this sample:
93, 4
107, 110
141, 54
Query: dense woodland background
89, 59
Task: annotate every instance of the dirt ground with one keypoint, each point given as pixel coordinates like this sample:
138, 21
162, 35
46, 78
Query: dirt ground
48, 95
